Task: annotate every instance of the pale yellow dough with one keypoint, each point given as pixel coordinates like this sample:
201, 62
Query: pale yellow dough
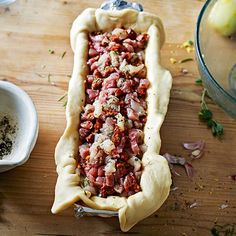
156, 178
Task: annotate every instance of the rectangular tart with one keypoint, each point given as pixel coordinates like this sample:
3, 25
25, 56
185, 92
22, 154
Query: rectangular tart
108, 156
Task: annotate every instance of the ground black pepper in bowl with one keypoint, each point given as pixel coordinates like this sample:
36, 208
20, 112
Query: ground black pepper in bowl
7, 135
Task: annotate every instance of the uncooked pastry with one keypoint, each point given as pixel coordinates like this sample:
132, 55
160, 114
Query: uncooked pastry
156, 178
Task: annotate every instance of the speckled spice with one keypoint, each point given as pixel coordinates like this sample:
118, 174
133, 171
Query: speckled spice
7, 135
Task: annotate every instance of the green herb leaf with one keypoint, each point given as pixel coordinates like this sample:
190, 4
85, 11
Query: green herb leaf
198, 81
39, 75
49, 78
63, 54
62, 97
224, 230
186, 60
217, 129
190, 42
51, 51
65, 104
215, 232
86, 182
206, 115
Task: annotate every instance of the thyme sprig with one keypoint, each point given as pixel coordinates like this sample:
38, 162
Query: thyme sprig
63, 98
206, 115
198, 81
224, 230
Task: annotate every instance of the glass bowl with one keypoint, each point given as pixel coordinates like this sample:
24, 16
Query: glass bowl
216, 56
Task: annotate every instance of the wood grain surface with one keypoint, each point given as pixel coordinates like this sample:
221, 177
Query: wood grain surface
28, 29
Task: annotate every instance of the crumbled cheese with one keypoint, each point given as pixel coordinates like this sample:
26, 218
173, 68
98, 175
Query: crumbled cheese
107, 146
93, 150
120, 121
98, 108
120, 82
107, 129
99, 138
188, 45
101, 61
112, 103
110, 166
173, 60
114, 59
132, 70
196, 152
121, 34
123, 65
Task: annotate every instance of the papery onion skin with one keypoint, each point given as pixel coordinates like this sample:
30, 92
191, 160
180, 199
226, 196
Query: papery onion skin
194, 145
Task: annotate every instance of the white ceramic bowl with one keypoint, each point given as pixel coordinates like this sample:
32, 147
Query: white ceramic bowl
15, 103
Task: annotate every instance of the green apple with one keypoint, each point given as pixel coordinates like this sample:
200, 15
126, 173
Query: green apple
223, 17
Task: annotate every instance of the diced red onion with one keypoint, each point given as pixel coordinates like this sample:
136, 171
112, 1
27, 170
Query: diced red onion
193, 146
173, 171
174, 159
193, 205
233, 177
174, 189
189, 170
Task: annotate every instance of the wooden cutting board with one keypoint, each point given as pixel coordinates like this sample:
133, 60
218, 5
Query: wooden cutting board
28, 29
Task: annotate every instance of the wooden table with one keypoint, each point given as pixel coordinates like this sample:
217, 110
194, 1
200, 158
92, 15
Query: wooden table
28, 29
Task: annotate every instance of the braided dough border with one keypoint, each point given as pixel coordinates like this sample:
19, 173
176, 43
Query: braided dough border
156, 178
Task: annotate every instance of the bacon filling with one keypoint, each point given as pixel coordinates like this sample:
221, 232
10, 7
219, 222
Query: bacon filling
112, 121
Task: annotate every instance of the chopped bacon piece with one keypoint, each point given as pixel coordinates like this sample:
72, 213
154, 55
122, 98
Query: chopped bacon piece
93, 52
98, 125
128, 47
119, 188
116, 136
92, 60
100, 181
144, 83
134, 136
90, 177
108, 70
90, 138
90, 78
101, 171
87, 124
110, 180
84, 150
127, 87
96, 38
116, 47
96, 83
106, 190
92, 94
110, 82
131, 33
132, 115
130, 183
83, 133
93, 171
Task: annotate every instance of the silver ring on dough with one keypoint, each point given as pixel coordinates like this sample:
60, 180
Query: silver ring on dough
81, 211
120, 5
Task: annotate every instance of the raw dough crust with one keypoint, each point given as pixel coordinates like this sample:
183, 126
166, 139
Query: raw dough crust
156, 178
